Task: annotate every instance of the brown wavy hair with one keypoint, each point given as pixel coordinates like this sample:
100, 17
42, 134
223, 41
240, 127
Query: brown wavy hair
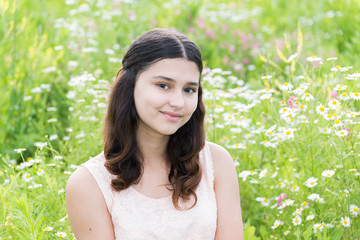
123, 156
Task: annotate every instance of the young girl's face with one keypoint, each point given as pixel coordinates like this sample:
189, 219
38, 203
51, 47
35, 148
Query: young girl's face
166, 95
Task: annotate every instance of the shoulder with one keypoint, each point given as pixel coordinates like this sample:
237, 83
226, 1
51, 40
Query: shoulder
221, 158
86, 207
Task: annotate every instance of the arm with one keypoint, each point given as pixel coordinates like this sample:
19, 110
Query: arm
226, 185
86, 207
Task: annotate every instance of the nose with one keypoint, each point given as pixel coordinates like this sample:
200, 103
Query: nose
177, 99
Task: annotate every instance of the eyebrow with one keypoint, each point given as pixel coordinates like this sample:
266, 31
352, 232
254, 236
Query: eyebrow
172, 80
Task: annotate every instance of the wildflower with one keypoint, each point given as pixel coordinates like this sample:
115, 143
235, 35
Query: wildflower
270, 131
266, 77
26, 177
333, 104
53, 137
267, 143
59, 47
276, 224
286, 86
52, 120
331, 59
295, 188
296, 220
353, 76
282, 196
288, 133
263, 173
61, 191
313, 59
342, 132
336, 68
49, 69
311, 182
298, 211
313, 196
61, 234
27, 98
340, 87
310, 217
338, 123
355, 95
307, 96
244, 174
354, 210
293, 159
304, 204
318, 226
71, 95
325, 130
19, 150
47, 229
286, 232
300, 90
345, 69
345, 221
58, 157
328, 173
329, 117
40, 172
283, 103
321, 109
264, 201
288, 202
34, 186
344, 96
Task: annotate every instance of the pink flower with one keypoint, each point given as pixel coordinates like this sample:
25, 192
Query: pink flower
282, 196
201, 23
246, 61
290, 101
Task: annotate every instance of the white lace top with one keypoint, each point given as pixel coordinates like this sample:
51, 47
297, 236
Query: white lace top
136, 216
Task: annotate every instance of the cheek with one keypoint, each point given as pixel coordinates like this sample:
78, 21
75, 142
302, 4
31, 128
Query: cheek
192, 104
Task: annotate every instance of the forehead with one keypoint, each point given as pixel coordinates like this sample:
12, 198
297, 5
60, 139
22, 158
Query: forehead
179, 69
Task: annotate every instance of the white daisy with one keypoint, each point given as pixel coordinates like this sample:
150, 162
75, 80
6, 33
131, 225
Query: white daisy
311, 182
296, 220
328, 173
345, 221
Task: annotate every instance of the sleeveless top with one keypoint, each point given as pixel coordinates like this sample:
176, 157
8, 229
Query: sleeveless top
136, 216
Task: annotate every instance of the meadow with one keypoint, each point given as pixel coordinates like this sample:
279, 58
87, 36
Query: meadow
282, 94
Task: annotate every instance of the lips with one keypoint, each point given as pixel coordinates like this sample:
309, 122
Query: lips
171, 116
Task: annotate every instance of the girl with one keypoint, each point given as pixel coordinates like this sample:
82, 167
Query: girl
157, 177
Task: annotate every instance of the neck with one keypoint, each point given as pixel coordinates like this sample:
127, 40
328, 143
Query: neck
153, 147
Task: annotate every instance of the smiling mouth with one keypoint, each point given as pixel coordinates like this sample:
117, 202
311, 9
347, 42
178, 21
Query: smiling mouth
172, 116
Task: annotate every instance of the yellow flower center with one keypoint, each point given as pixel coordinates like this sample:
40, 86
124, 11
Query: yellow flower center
307, 94
294, 187
296, 220
301, 106
337, 67
344, 94
265, 141
270, 133
356, 94
342, 133
334, 102
312, 183
288, 133
285, 84
356, 209
322, 109
337, 121
345, 222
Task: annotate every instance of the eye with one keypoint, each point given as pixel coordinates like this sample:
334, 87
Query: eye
190, 90
163, 86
